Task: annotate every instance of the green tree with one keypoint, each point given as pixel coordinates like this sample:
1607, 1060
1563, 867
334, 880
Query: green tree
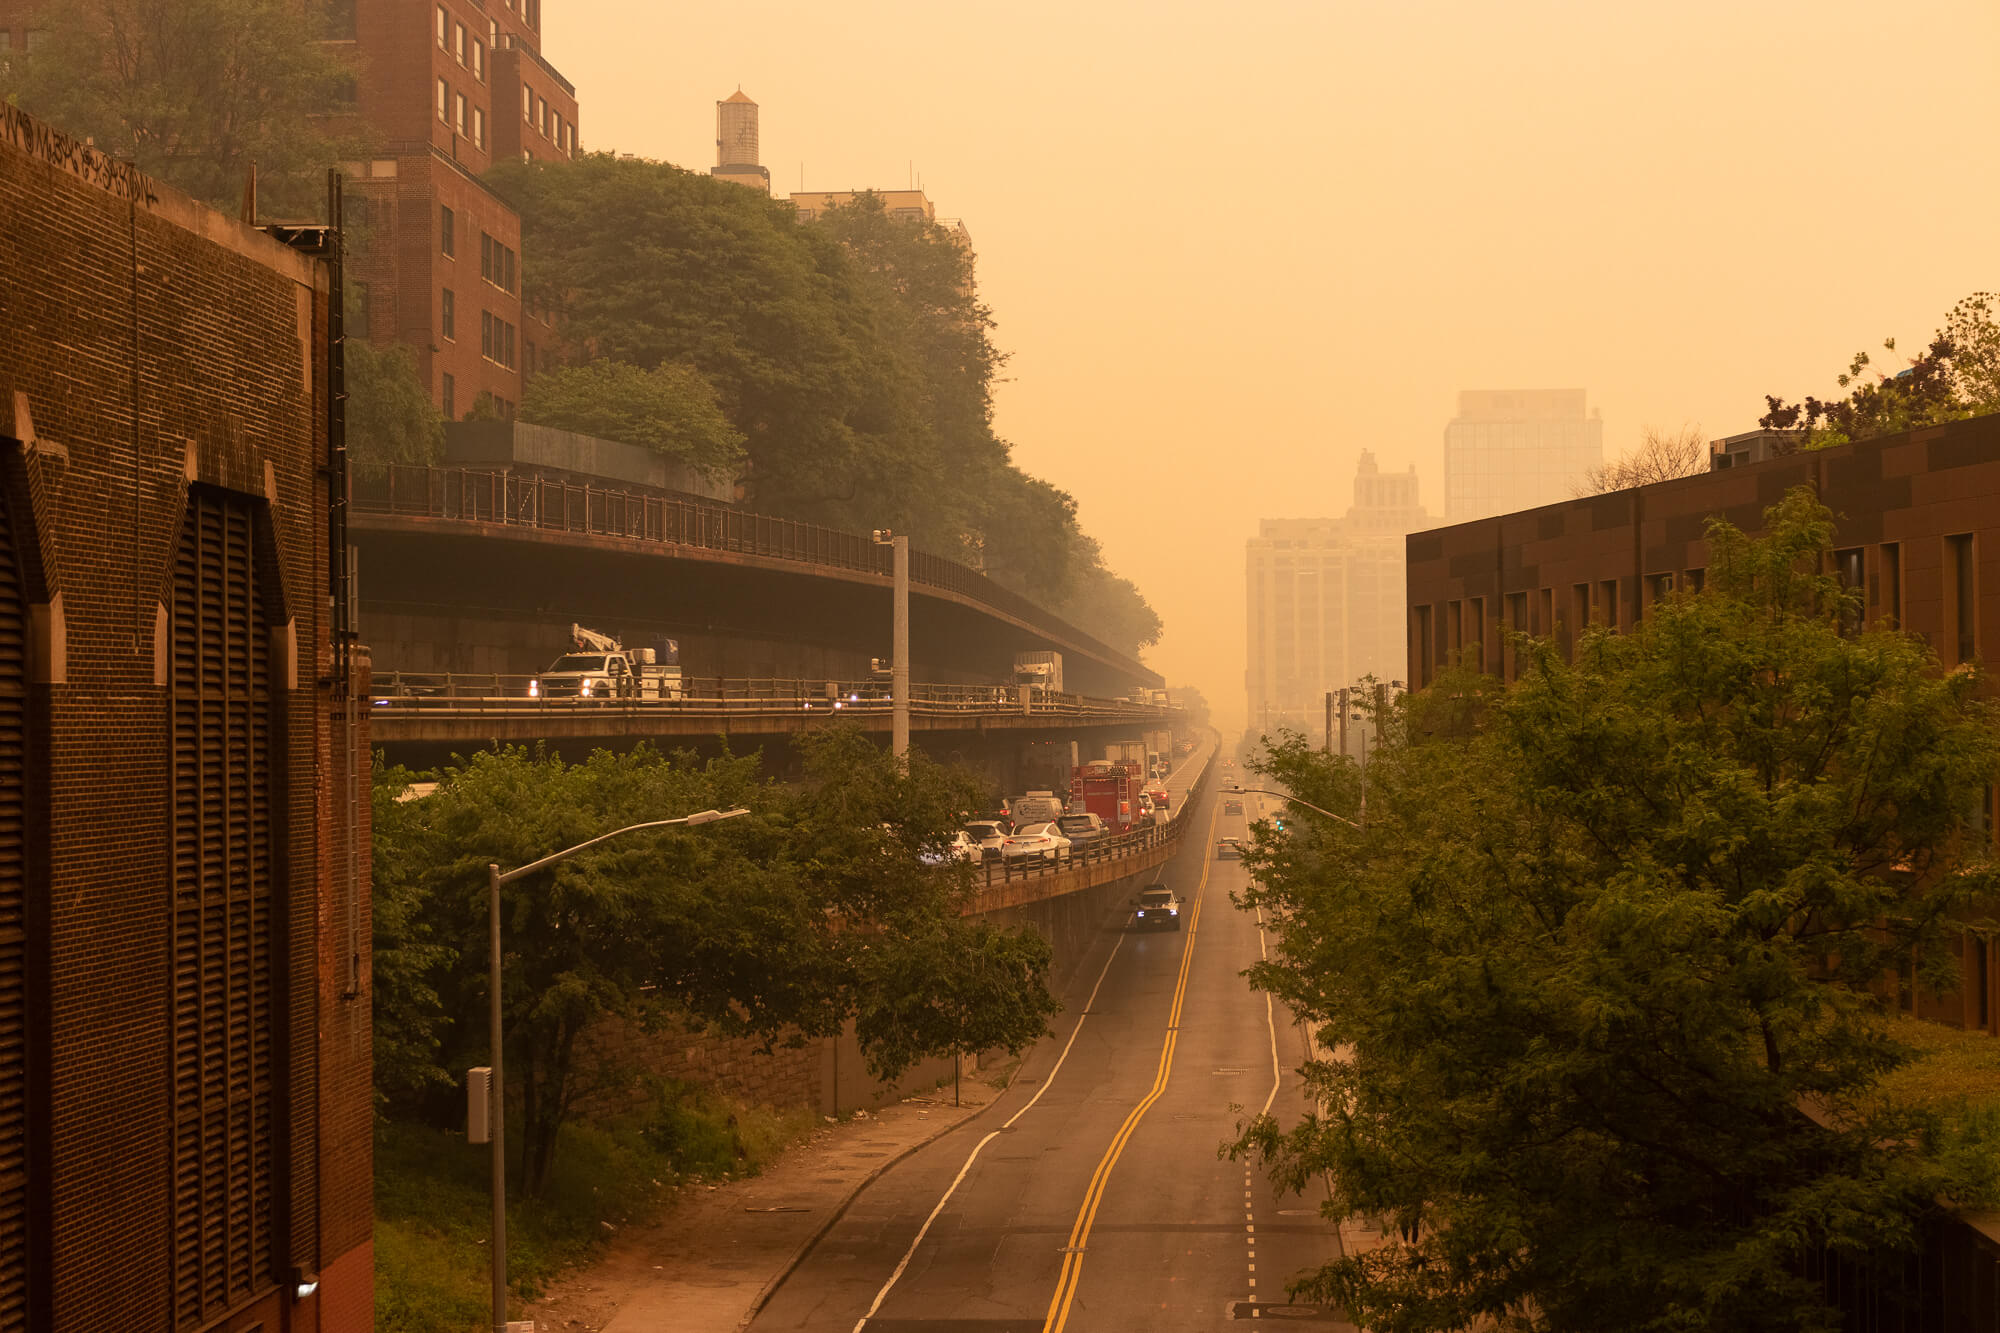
194, 92
1956, 376
670, 409
390, 416
1609, 935
1107, 607
828, 903
405, 957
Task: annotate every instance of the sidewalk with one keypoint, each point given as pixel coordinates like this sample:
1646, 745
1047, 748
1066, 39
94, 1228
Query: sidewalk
708, 1264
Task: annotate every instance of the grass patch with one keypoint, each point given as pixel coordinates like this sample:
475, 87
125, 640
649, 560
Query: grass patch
433, 1208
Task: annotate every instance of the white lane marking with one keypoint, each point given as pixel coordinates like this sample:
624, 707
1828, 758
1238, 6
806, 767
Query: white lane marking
924, 1230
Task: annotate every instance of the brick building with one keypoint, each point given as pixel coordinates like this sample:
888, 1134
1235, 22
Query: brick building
185, 1105
446, 88
1918, 527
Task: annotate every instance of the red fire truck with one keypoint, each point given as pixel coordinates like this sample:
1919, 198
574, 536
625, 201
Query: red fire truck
1109, 789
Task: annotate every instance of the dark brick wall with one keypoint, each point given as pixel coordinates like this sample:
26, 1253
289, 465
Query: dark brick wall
1897, 499
152, 344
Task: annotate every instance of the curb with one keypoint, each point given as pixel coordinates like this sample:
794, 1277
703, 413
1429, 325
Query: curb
805, 1248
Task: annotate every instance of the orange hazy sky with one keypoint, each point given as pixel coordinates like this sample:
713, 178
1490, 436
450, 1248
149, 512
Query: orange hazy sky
1231, 246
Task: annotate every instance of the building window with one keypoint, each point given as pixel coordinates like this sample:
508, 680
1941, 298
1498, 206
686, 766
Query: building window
458, 42
458, 116
1659, 588
479, 126
1607, 606
227, 876
479, 60
1420, 645
1475, 632
542, 116
1579, 617
496, 339
1516, 612
35, 38
527, 104
1963, 592
450, 397
1696, 580
448, 316
486, 334
496, 263
1889, 598
443, 26
1545, 614
1454, 628
1847, 567
534, 12
444, 102
447, 232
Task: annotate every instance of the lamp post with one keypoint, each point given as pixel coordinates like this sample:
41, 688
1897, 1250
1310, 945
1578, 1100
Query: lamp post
1259, 791
899, 658
496, 1089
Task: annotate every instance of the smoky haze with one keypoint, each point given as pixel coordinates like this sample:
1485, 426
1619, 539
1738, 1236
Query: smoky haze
1230, 247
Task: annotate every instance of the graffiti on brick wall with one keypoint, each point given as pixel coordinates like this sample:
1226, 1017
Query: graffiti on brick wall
45, 143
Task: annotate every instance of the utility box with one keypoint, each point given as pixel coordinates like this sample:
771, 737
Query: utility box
479, 1105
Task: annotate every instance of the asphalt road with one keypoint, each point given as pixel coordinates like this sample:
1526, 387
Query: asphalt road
1091, 1196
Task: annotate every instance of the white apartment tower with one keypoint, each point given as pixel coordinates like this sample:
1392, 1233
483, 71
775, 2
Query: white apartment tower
1513, 449
1325, 600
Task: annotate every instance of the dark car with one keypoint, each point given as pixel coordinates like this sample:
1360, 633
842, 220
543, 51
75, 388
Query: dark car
1232, 807
1158, 908
1083, 829
1228, 849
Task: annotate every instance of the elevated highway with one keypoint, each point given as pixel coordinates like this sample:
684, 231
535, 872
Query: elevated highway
468, 570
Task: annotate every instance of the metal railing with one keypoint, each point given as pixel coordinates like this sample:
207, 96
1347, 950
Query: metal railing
516, 500
494, 692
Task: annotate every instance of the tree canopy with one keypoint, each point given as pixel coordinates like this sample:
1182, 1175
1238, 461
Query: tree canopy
852, 354
828, 903
193, 92
670, 409
1956, 376
390, 416
1610, 957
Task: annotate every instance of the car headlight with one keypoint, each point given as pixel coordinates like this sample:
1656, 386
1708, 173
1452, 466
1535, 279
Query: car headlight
1173, 911
584, 689
534, 689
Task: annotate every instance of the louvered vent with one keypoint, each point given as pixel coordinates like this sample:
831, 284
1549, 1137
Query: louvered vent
13, 904
223, 1004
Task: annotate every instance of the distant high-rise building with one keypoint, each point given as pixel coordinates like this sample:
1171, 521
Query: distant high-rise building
1510, 449
896, 203
1325, 600
736, 151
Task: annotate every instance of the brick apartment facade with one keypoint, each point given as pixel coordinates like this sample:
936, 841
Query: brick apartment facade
446, 88
185, 1106
1918, 519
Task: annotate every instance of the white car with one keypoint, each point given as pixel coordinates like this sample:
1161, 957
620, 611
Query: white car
1043, 842
988, 837
960, 848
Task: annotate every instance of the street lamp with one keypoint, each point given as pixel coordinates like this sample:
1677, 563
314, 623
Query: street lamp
899, 658
496, 1091
1259, 791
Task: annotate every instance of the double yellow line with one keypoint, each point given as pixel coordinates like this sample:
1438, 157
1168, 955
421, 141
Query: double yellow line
1079, 1234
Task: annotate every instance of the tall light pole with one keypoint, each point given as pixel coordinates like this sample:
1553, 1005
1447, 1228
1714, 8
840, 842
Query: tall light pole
899, 660
1285, 796
496, 1089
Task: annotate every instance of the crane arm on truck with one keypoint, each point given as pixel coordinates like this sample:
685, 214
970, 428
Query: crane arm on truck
589, 640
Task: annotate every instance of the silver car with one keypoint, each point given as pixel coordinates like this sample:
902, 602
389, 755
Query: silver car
1157, 908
